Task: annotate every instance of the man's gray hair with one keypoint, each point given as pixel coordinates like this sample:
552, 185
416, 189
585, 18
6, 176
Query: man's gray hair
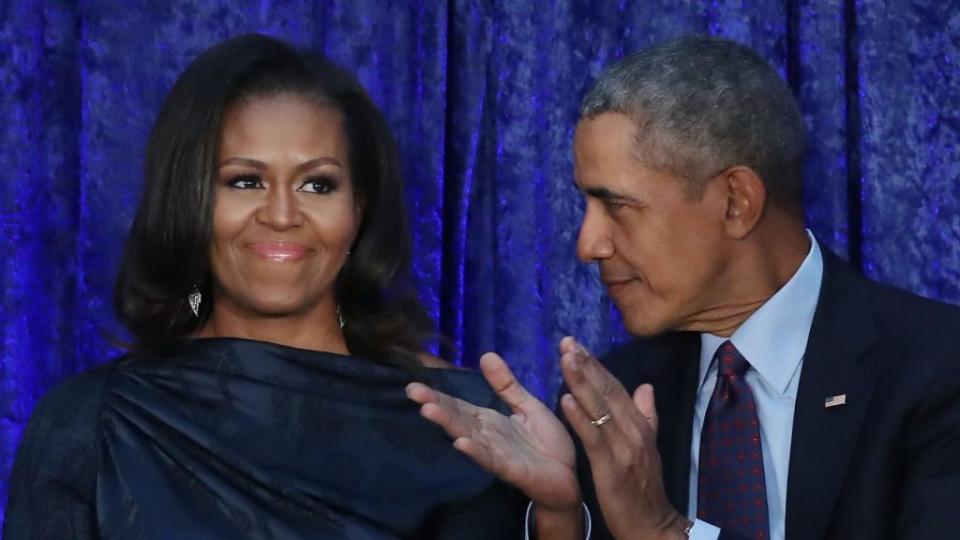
702, 105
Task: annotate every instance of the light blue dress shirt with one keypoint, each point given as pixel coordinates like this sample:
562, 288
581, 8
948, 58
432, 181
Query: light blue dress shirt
773, 341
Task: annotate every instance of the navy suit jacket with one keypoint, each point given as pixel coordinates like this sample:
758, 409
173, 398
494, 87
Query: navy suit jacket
886, 464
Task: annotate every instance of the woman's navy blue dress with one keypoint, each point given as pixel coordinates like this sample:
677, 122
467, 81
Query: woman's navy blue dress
229, 438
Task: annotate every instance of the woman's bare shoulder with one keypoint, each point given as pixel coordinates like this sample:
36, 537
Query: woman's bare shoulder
431, 361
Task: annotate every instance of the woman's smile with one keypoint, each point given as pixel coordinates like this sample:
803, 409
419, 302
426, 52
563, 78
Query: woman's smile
279, 251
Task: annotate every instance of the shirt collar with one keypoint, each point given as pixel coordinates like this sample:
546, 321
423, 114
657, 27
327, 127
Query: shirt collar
774, 338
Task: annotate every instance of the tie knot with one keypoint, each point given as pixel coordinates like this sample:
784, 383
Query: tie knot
730, 361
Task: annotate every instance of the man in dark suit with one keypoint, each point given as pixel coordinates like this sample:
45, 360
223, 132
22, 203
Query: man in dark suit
794, 399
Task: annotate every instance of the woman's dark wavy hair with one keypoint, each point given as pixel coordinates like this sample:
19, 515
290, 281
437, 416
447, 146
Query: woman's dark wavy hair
168, 251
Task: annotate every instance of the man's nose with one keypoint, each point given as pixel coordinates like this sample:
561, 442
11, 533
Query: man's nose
593, 242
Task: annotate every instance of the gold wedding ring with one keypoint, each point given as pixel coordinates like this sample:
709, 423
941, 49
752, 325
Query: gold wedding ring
602, 420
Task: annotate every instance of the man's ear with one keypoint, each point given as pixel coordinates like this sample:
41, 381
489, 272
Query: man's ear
746, 200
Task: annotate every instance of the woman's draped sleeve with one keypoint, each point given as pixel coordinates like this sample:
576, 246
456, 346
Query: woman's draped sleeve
53, 484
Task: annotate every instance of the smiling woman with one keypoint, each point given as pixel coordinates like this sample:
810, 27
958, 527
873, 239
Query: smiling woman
253, 114
284, 218
262, 282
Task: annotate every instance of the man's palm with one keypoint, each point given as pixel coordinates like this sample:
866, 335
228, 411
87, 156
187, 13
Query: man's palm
530, 449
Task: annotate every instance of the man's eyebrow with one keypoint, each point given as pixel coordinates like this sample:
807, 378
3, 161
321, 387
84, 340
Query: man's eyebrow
605, 194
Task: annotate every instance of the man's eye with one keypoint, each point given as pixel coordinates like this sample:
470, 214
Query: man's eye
614, 205
320, 184
246, 182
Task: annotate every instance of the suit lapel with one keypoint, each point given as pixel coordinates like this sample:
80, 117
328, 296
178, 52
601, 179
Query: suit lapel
675, 386
824, 438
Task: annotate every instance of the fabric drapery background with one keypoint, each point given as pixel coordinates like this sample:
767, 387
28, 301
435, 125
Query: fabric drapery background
482, 96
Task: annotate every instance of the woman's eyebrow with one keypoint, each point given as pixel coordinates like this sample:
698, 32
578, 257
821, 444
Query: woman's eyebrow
257, 164
306, 165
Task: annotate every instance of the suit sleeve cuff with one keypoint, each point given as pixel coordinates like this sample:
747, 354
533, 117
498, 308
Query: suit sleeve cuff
530, 520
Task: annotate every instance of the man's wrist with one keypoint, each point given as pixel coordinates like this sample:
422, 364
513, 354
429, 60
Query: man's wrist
559, 523
677, 528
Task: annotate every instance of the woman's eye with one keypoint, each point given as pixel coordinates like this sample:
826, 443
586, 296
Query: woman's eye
246, 182
320, 184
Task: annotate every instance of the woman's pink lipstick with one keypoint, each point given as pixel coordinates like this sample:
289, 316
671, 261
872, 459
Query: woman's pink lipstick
279, 251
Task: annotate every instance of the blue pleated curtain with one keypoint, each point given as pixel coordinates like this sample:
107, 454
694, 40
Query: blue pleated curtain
482, 97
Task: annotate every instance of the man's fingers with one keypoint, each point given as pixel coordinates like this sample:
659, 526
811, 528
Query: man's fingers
589, 399
455, 416
503, 382
645, 401
599, 394
420, 393
567, 344
602, 380
463, 422
593, 437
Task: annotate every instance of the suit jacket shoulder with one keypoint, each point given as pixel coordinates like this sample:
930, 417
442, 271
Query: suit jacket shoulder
882, 463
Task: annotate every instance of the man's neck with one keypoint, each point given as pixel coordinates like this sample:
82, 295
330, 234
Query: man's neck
759, 266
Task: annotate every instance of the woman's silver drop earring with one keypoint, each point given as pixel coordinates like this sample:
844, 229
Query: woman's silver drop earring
340, 317
194, 298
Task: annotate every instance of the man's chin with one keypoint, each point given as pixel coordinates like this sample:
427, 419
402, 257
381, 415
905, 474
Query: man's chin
646, 330
643, 325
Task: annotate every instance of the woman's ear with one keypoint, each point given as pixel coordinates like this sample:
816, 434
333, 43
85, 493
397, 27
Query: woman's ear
359, 209
746, 200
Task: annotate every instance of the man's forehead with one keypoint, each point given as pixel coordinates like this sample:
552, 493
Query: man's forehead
610, 183
606, 140
607, 123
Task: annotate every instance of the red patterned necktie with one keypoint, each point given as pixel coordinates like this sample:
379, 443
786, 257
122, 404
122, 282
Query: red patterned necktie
731, 489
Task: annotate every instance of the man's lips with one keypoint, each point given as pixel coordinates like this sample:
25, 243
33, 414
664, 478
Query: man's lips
279, 251
614, 283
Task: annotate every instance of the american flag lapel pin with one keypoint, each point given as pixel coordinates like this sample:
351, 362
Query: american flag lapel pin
835, 401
